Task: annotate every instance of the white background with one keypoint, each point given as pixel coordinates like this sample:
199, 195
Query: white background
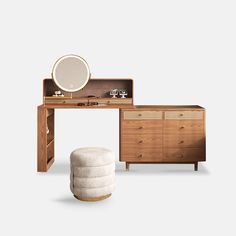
177, 52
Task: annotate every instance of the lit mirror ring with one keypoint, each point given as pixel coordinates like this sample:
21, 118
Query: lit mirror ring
71, 73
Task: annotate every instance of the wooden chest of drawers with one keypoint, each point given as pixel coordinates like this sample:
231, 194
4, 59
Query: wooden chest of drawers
162, 134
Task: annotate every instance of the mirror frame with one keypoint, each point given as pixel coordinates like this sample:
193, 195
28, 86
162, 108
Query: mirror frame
61, 59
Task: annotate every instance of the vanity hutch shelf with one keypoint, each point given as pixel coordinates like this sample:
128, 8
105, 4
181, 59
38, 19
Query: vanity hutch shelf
148, 134
96, 93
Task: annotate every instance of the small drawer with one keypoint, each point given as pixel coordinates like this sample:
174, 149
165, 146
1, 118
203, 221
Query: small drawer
142, 115
111, 101
184, 115
65, 101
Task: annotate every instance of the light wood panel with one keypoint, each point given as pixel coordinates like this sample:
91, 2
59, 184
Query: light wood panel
144, 115
182, 115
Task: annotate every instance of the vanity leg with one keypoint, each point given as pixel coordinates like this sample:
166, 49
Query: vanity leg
41, 146
196, 166
127, 166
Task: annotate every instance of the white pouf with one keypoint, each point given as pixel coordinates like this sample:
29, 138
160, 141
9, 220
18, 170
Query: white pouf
92, 175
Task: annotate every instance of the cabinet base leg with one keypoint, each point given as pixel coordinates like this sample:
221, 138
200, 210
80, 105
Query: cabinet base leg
127, 166
196, 166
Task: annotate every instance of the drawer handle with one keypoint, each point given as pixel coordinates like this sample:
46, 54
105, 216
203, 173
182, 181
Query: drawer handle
182, 127
139, 114
182, 141
141, 127
181, 114
141, 141
140, 156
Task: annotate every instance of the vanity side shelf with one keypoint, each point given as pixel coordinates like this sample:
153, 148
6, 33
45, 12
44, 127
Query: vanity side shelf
45, 139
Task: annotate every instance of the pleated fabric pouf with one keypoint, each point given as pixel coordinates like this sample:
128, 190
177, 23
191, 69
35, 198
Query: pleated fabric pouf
92, 175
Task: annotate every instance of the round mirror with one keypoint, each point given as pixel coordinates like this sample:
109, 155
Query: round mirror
70, 73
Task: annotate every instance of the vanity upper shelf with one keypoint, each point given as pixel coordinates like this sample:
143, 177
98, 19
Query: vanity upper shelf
96, 93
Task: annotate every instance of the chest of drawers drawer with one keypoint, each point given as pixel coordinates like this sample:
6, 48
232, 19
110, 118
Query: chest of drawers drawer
136, 127
186, 141
142, 115
142, 141
184, 155
183, 127
183, 115
142, 156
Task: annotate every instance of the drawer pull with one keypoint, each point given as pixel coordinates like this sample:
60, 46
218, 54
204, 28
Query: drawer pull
141, 141
181, 114
140, 156
141, 127
139, 114
182, 141
182, 127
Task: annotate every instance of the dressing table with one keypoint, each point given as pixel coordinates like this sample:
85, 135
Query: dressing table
148, 134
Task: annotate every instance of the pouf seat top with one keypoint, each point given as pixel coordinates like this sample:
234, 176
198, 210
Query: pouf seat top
91, 156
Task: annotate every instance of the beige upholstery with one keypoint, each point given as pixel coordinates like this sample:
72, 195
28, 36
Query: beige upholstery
92, 172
